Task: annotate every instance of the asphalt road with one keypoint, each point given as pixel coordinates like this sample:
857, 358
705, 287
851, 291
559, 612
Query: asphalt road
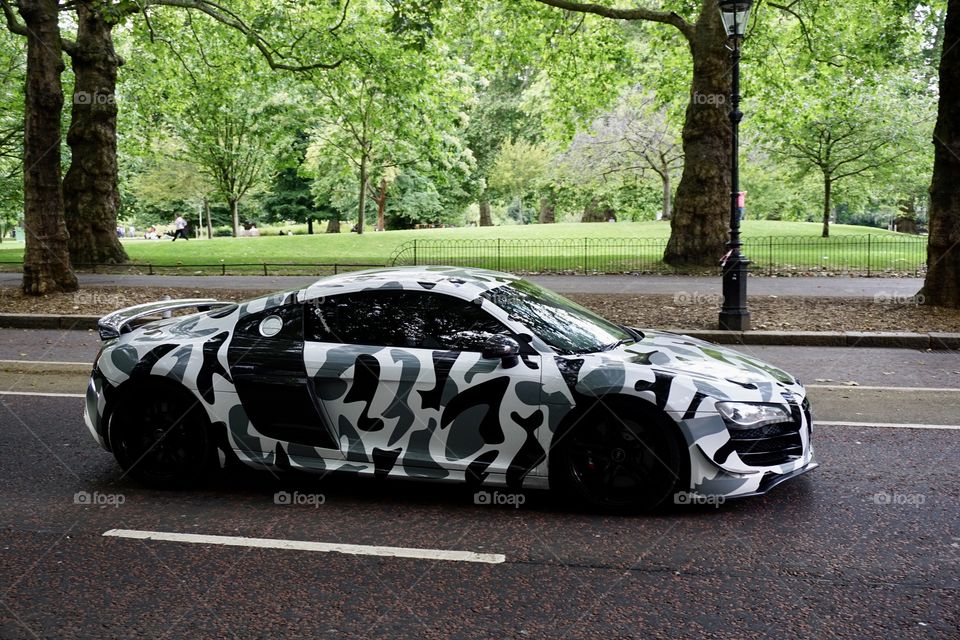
866, 546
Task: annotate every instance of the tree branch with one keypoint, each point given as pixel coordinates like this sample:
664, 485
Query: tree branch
671, 18
13, 24
225, 16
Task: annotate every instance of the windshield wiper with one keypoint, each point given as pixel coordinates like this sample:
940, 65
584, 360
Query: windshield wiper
618, 343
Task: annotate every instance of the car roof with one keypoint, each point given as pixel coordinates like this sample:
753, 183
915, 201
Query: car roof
460, 281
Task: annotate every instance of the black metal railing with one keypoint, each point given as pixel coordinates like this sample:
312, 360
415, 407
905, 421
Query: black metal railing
218, 268
868, 255
871, 255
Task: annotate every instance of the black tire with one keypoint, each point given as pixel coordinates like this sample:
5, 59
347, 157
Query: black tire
161, 437
617, 457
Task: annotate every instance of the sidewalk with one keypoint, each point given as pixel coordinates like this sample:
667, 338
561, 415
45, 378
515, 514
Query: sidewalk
833, 287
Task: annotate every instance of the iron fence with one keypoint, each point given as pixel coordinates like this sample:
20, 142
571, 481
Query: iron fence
869, 255
219, 268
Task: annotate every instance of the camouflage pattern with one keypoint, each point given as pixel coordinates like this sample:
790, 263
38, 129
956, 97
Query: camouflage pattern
452, 415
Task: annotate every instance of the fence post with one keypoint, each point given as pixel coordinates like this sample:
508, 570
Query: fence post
869, 243
770, 254
223, 268
264, 268
150, 268
584, 256
415, 263
335, 266
498, 254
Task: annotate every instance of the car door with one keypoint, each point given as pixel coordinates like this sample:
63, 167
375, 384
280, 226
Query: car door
267, 367
401, 376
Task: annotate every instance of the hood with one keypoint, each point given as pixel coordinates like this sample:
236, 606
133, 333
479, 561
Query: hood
697, 358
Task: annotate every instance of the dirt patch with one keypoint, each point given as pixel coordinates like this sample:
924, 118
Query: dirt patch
771, 313
775, 313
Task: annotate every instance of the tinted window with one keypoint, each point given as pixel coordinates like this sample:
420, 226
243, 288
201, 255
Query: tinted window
564, 325
397, 318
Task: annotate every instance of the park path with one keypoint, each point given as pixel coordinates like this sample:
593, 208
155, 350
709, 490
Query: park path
834, 287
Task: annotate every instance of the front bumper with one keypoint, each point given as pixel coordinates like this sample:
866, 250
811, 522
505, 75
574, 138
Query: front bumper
94, 407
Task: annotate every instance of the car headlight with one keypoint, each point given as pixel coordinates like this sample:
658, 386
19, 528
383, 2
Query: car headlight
750, 415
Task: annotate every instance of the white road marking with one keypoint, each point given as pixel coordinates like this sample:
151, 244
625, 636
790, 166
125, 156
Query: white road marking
304, 545
844, 387
42, 393
57, 362
885, 425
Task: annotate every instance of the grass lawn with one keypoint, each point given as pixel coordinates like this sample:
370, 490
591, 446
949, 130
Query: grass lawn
377, 248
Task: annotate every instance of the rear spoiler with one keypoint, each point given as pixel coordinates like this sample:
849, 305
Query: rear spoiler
111, 326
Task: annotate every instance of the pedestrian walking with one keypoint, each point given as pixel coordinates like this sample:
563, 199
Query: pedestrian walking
181, 228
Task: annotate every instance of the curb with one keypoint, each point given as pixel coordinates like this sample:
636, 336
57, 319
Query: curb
936, 341
46, 321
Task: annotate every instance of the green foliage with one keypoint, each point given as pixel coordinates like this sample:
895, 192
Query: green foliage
12, 70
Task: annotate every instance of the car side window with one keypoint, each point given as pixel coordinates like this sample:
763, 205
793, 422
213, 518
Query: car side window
401, 318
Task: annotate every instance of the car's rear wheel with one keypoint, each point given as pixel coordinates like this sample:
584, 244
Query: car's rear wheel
616, 458
160, 436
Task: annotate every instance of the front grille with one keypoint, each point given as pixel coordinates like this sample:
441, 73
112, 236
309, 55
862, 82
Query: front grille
768, 445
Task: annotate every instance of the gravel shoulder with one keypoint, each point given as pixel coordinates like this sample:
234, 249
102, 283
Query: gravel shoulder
770, 313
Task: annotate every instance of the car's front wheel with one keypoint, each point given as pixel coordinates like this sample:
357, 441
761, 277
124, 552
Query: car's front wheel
160, 437
616, 458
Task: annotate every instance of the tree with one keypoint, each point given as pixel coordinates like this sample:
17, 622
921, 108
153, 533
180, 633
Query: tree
496, 117
520, 170
396, 104
942, 284
701, 208
46, 259
840, 129
90, 187
634, 137
698, 227
11, 130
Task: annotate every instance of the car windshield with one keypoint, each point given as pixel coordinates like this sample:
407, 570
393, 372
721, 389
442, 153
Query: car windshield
564, 325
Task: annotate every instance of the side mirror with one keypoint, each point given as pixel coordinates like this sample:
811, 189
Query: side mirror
501, 346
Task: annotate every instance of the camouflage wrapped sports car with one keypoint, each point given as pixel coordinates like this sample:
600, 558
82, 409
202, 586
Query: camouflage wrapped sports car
442, 373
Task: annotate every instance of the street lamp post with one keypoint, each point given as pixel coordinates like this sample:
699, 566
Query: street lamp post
734, 314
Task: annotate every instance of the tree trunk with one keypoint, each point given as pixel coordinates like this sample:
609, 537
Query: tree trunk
701, 214
592, 212
485, 218
309, 226
363, 194
827, 188
235, 215
333, 225
942, 284
381, 203
46, 258
665, 212
548, 212
206, 213
90, 193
